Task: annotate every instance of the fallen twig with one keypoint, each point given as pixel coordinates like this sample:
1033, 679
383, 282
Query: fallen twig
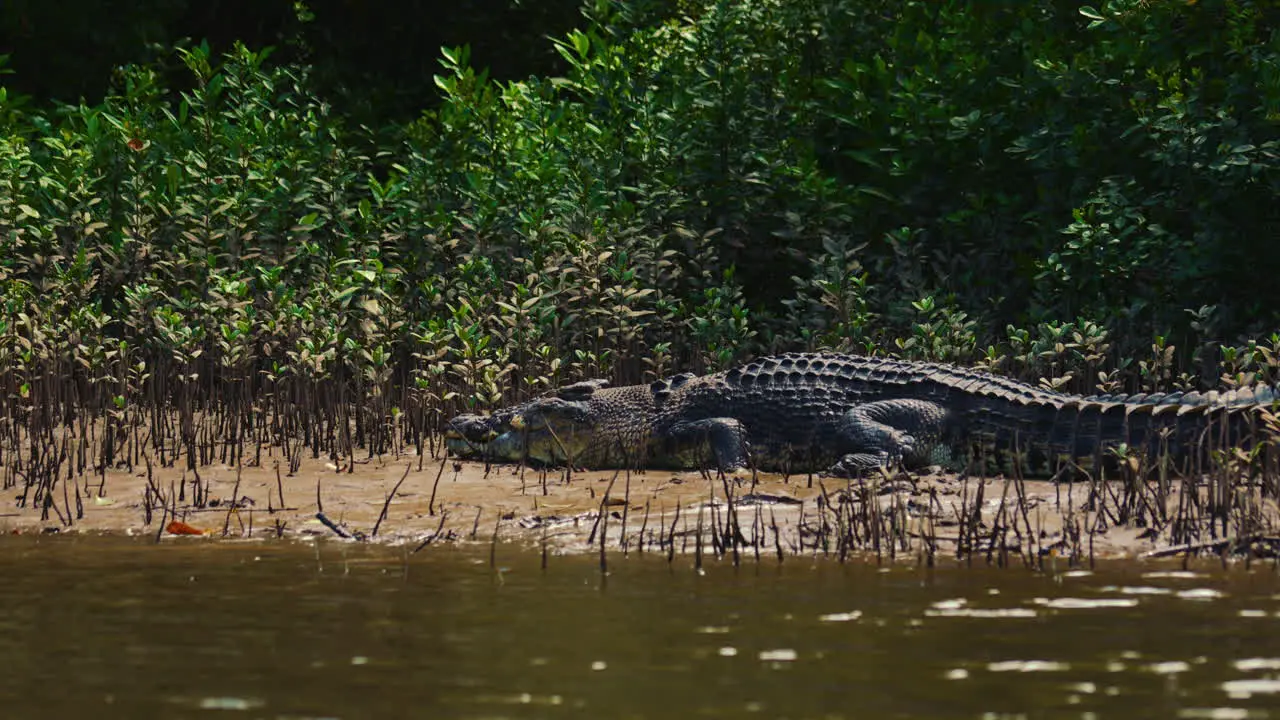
387, 505
1228, 545
444, 515
333, 526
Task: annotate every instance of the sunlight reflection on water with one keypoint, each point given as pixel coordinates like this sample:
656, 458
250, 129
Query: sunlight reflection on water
309, 631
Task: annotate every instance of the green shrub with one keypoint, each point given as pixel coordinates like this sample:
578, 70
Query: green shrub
941, 181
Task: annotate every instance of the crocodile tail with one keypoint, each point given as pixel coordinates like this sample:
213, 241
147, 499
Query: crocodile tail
1183, 425
1051, 427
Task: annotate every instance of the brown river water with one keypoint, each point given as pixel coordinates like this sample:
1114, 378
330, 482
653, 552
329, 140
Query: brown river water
112, 627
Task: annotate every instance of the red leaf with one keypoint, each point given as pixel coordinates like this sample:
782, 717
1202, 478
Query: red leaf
177, 527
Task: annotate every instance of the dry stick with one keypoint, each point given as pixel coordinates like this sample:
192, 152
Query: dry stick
857, 517
844, 533
151, 483
824, 528
716, 546
493, 543
685, 534
732, 529
799, 548
1217, 546
603, 505
146, 505
757, 529
877, 519
643, 525
200, 495
173, 497
671, 535
1033, 543
444, 514
66, 500
897, 514
932, 542
979, 496
568, 456
604, 533
231, 506
387, 505
697, 548
545, 525
279, 488
164, 515
995, 525
333, 526
626, 507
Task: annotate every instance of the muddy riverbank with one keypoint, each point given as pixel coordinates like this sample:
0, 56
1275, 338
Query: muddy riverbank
423, 501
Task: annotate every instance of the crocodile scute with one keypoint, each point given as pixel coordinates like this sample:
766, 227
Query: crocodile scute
846, 415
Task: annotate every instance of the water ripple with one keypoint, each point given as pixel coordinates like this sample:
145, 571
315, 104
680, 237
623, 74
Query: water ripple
1028, 666
1069, 603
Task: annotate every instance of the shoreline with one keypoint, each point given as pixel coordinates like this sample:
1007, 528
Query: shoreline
420, 502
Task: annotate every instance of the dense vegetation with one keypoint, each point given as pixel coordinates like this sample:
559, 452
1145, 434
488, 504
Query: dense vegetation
230, 253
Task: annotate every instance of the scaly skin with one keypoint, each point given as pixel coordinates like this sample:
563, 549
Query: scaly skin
846, 414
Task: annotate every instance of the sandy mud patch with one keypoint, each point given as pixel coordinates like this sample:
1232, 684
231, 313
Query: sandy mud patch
419, 502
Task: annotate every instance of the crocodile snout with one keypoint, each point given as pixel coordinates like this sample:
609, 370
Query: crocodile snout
472, 428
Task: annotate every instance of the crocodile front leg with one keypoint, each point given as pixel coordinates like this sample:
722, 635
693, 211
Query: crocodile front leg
887, 433
718, 441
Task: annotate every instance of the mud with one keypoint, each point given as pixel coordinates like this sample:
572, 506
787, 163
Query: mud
438, 501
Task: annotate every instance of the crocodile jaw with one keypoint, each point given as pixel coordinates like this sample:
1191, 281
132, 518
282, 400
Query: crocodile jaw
507, 438
505, 447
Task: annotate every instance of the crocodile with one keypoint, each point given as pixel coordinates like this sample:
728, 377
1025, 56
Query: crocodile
847, 415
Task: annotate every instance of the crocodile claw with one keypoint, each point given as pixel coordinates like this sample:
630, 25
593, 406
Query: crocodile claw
855, 465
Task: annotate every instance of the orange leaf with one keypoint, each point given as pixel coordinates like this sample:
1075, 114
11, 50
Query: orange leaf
177, 527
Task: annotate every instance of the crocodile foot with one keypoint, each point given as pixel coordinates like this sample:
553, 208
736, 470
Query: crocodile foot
856, 465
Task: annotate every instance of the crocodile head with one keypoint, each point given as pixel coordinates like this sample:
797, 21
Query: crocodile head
550, 430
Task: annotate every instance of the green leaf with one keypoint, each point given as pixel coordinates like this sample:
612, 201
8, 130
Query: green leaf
1091, 13
581, 43
876, 192
345, 294
28, 211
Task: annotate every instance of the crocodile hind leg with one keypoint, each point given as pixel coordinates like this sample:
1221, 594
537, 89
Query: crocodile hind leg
718, 441
886, 434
